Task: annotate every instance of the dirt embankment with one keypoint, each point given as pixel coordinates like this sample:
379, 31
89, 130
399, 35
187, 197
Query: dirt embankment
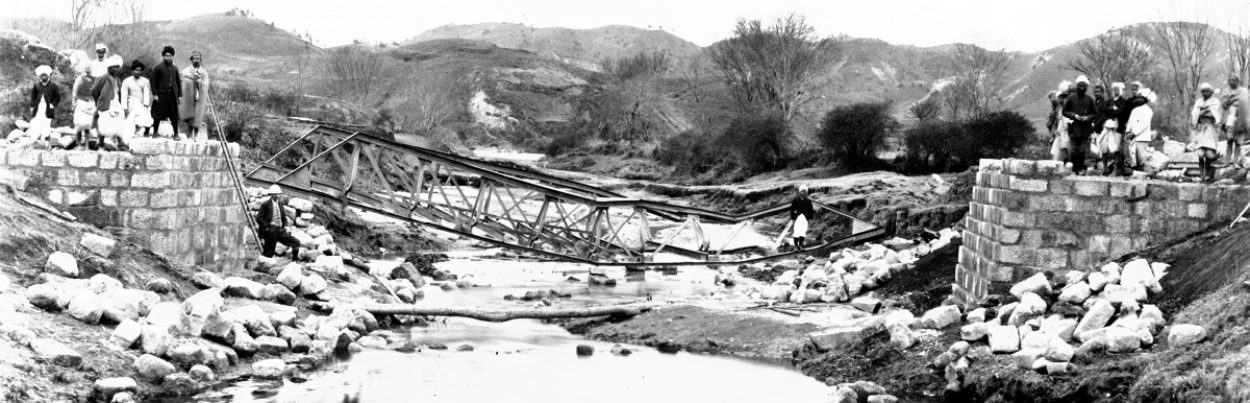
701, 330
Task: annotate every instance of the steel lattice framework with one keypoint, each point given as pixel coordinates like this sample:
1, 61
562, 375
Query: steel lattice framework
496, 203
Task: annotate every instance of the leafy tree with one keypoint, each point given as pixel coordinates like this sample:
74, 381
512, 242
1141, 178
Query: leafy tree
953, 146
758, 143
352, 73
928, 108
854, 133
773, 69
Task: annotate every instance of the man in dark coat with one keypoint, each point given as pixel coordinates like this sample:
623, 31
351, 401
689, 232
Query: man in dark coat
45, 91
801, 213
272, 221
1081, 109
166, 89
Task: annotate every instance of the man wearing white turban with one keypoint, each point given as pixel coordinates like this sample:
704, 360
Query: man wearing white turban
1138, 130
108, 94
1204, 121
45, 95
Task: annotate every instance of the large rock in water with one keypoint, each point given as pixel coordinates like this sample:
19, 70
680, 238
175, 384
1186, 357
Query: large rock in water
312, 284
1185, 334
836, 338
153, 367
268, 369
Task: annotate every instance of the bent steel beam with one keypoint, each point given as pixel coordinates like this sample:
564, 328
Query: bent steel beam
531, 211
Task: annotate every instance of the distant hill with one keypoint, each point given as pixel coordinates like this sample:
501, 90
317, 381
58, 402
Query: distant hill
582, 47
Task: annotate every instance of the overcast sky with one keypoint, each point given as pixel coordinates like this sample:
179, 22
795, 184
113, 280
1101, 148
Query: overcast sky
1014, 25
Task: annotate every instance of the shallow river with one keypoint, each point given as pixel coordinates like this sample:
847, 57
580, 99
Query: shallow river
527, 361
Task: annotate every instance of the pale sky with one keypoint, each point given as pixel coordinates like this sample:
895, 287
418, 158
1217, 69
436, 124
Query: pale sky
1014, 25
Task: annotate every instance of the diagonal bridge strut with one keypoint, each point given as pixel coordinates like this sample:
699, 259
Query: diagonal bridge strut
530, 211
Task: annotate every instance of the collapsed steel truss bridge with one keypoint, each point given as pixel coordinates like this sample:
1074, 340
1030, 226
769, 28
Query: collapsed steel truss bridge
522, 209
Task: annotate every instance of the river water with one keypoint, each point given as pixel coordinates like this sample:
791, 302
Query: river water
527, 361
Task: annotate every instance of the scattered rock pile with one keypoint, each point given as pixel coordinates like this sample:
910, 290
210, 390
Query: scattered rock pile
860, 391
846, 275
1057, 318
316, 243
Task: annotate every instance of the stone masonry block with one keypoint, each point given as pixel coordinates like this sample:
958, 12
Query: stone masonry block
1061, 186
1051, 258
1031, 238
158, 162
24, 157
4, 157
1003, 273
1090, 187
67, 177
1171, 209
990, 165
234, 150
108, 197
149, 146
1018, 220
1080, 260
1048, 168
1212, 193
1059, 238
1080, 205
119, 179
1028, 185
83, 159
134, 198
1111, 206
1121, 245
164, 199
1163, 191
1119, 224
52, 158
1189, 192
1022, 167
1015, 254
1045, 203
1099, 244
1008, 236
156, 180
1197, 210
95, 178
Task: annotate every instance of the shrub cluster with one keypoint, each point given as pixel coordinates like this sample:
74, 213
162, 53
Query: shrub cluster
954, 146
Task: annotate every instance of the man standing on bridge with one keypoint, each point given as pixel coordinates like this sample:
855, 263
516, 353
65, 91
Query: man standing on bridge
801, 212
272, 221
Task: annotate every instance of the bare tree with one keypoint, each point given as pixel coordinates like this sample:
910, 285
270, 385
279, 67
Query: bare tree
979, 77
430, 102
773, 68
1238, 40
1184, 48
1112, 57
691, 74
352, 73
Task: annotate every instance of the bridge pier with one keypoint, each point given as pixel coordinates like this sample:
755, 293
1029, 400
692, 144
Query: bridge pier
175, 198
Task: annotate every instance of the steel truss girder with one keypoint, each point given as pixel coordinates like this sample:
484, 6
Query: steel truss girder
479, 200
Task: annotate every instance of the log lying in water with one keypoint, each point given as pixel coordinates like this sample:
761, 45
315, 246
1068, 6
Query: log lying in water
504, 315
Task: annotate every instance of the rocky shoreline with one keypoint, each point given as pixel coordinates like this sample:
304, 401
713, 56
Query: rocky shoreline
102, 320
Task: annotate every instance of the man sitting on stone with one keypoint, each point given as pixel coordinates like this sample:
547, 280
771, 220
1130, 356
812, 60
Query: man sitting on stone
272, 221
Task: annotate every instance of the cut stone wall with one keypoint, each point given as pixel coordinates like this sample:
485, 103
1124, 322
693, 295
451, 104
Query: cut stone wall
1027, 217
176, 198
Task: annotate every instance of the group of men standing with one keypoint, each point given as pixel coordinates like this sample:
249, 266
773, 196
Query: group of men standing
115, 101
1117, 127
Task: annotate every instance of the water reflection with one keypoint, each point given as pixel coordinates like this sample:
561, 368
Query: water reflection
528, 361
